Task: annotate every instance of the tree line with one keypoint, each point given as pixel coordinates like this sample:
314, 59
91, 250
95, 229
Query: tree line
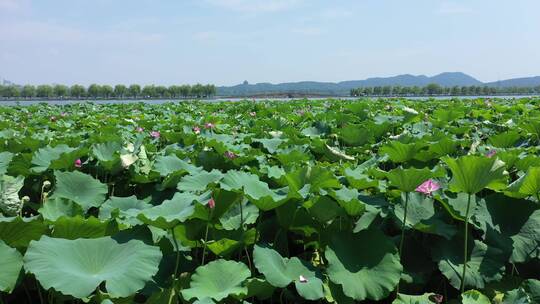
434, 89
96, 91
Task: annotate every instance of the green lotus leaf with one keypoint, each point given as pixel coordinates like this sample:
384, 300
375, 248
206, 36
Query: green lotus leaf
72, 228
474, 297
78, 267
355, 135
411, 299
421, 216
218, 280
399, 152
5, 159
348, 200
516, 296
532, 288
528, 184
80, 188
365, 264
107, 153
127, 208
505, 140
408, 180
259, 288
171, 212
18, 232
258, 191
199, 181
317, 177
515, 220
272, 144
280, 272
166, 165
485, 263
43, 157
241, 212
10, 203
11, 263
471, 174
53, 209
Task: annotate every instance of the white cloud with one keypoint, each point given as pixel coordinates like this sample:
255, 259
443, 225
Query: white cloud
308, 31
255, 6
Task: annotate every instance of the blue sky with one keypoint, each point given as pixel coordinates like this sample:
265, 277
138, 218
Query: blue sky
228, 41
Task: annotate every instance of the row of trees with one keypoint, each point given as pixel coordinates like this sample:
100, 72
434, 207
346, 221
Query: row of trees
95, 91
435, 89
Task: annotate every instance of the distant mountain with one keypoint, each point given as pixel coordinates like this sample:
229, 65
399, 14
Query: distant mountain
446, 79
516, 82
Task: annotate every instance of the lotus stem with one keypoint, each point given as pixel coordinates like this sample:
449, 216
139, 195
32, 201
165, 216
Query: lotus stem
177, 253
401, 241
204, 245
465, 245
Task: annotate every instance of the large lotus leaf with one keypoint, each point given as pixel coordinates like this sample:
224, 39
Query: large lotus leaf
399, 152
81, 188
53, 209
171, 212
78, 227
532, 288
258, 191
259, 288
443, 147
348, 200
18, 232
515, 220
355, 135
317, 177
280, 272
198, 181
11, 263
272, 144
456, 204
218, 280
365, 264
408, 180
78, 267
411, 299
421, 216
10, 203
516, 296
474, 297
5, 159
166, 165
127, 209
471, 174
485, 263
528, 184
43, 157
505, 140
107, 152
229, 242
242, 212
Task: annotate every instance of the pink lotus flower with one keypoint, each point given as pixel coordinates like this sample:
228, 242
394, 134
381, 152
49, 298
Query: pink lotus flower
491, 153
230, 155
209, 125
302, 279
63, 114
78, 163
139, 129
196, 130
155, 134
437, 298
252, 114
428, 187
211, 203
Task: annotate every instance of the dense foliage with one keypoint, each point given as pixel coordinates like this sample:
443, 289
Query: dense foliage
95, 91
386, 201
436, 89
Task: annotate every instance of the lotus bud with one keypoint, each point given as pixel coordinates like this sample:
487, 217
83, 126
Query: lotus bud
46, 185
25, 199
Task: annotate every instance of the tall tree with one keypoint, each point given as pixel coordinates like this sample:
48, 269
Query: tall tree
134, 90
60, 90
44, 91
28, 91
94, 90
120, 91
77, 91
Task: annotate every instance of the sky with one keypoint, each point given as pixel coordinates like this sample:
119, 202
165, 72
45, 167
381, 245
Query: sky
225, 42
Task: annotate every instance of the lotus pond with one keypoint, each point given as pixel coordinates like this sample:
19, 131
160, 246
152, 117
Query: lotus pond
327, 201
